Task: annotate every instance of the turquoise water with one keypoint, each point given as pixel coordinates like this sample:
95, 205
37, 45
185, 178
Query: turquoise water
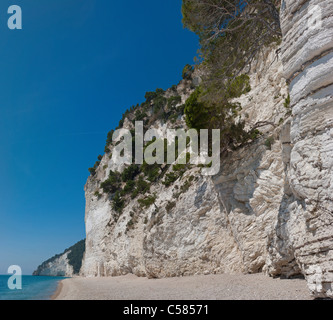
33, 288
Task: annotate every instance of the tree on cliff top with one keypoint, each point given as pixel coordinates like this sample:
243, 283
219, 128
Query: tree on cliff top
231, 34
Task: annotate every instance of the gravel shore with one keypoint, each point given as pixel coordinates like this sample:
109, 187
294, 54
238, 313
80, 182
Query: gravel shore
211, 287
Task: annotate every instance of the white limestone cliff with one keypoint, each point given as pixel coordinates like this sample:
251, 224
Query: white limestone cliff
269, 209
304, 232
66, 264
58, 267
215, 225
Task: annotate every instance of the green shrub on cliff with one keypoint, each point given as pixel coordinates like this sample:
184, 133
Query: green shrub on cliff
92, 171
174, 100
130, 173
170, 178
117, 202
129, 187
112, 184
96, 165
220, 113
203, 114
140, 116
142, 186
159, 103
196, 111
147, 201
109, 138
187, 72
149, 96
76, 255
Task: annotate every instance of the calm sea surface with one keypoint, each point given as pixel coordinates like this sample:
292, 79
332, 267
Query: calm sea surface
33, 288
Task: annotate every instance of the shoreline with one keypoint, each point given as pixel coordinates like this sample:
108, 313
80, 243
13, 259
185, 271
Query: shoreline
58, 291
199, 287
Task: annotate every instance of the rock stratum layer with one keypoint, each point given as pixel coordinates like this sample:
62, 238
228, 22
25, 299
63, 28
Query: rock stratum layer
304, 232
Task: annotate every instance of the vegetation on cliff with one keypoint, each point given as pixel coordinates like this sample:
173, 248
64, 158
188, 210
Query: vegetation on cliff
231, 35
76, 255
224, 114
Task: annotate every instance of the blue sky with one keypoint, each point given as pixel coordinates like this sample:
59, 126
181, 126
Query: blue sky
65, 80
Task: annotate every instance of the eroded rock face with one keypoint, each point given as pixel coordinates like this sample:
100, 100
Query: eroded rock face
251, 189
183, 233
304, 232
213, 225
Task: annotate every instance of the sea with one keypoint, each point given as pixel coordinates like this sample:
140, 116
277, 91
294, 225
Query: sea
33, 288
